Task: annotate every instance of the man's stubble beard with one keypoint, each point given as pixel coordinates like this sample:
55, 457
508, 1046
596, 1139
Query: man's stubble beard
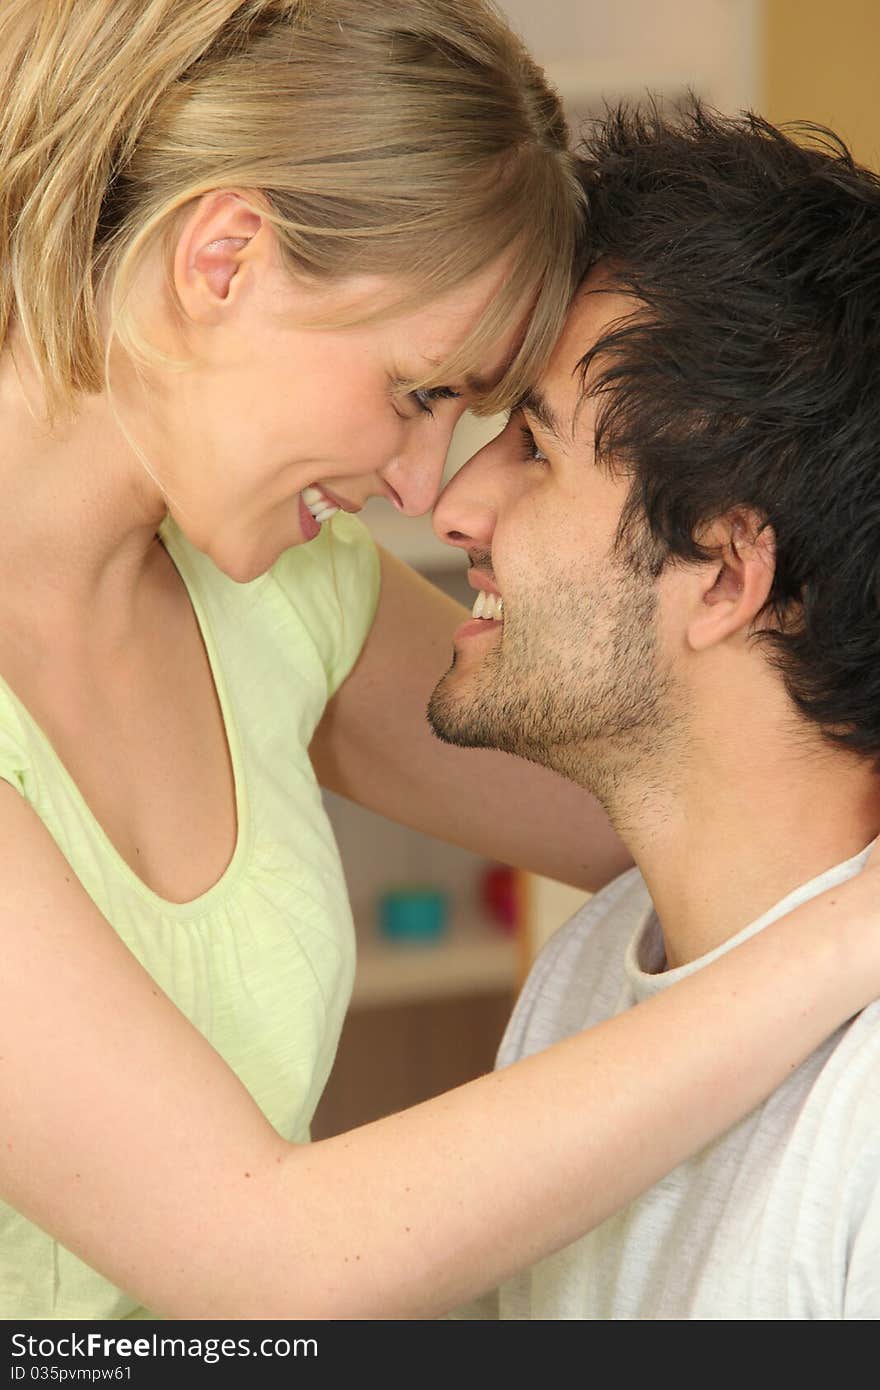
580, 690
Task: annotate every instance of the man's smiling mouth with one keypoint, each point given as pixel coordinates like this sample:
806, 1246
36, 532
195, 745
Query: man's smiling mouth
489, 606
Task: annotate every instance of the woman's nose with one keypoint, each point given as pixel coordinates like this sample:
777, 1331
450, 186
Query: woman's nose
416, 475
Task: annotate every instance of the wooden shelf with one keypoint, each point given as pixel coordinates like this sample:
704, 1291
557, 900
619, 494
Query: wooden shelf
473, 957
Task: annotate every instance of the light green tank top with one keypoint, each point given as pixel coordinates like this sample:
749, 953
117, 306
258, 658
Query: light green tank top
262, 963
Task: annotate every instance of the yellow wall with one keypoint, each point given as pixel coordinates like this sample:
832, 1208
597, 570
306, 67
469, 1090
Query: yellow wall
821, 63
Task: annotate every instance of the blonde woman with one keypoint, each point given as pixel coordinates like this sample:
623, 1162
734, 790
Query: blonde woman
256, 259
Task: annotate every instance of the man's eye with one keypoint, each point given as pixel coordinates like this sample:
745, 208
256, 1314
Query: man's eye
425, 397
531, 452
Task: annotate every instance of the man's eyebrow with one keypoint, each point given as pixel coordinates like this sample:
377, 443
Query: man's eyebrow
537, 405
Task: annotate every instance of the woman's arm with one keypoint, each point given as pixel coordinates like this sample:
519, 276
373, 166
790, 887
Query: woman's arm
374, 746
126, 1136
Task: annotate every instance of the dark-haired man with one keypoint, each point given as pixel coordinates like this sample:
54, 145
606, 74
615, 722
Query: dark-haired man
683, 523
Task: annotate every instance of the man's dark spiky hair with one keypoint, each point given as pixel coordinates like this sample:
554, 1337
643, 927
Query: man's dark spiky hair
749, 375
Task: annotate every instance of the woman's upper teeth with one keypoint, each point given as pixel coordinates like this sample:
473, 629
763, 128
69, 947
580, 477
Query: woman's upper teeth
488, 605
320, 506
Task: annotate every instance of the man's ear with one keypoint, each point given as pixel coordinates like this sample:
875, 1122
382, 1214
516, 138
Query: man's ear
222, 234
736, 586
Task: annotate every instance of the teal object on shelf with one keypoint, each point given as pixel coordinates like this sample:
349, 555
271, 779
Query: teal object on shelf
413, 914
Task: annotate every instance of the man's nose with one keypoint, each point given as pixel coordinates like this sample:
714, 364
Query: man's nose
465, 512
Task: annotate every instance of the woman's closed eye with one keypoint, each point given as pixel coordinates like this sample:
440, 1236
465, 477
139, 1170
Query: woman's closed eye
424, 397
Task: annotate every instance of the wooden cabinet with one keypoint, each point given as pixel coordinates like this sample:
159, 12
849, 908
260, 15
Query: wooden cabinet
396, 1055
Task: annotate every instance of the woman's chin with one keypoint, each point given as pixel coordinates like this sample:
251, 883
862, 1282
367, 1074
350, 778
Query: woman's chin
244, 555
244, 563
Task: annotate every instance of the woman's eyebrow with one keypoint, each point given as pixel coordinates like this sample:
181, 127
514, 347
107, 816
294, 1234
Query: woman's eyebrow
480, 385
474, 383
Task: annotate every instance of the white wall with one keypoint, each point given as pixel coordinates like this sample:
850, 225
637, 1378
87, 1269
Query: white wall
622, 46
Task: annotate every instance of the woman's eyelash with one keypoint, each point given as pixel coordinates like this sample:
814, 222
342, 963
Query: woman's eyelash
424, 397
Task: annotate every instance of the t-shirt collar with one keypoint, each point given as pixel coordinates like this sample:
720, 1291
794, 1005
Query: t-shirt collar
645, 960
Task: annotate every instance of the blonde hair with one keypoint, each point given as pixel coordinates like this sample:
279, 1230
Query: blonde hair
408, 136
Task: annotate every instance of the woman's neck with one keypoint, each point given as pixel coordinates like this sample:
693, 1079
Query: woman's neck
81, 514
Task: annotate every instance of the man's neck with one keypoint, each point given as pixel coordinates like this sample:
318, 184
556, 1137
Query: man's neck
738, 824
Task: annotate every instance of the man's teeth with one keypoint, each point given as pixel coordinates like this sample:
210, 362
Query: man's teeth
488, 605
317, 503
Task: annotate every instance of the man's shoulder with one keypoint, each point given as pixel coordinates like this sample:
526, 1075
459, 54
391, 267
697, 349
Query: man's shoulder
613, 913
577, 978
849, 1080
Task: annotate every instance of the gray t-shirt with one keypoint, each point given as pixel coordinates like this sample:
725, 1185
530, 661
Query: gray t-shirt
778, 1219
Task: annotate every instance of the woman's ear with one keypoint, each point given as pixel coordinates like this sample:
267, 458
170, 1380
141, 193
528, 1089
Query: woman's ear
218, 239
737, 585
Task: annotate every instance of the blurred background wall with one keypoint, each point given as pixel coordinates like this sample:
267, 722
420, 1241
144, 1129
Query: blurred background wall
612, 48
792, 59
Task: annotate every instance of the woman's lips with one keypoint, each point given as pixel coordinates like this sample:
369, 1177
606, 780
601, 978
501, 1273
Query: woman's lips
309, 526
